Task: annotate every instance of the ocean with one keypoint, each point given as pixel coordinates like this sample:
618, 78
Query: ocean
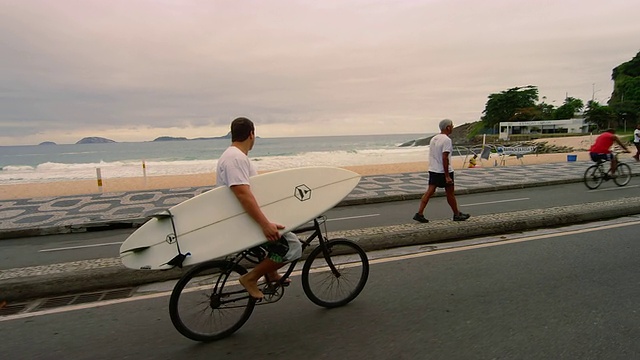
45, 163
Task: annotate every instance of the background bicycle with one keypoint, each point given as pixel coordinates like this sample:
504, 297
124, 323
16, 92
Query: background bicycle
596, 174
208, 303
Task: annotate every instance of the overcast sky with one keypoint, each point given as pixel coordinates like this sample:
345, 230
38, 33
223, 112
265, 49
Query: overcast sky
134, 70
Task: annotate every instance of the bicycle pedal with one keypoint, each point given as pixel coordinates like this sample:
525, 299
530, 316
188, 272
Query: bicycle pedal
272, 293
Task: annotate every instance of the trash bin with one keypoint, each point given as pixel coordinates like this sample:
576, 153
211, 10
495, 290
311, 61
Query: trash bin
572, 157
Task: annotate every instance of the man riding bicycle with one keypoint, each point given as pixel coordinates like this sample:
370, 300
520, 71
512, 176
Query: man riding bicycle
600, 150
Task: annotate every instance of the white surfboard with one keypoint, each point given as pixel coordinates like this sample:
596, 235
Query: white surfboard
214, 224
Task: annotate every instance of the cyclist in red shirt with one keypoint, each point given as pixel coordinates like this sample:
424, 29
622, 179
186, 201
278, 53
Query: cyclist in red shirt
600, 150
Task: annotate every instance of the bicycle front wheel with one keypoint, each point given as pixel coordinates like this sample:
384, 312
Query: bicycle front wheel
593, 177
338, 277
208, 303
623, 174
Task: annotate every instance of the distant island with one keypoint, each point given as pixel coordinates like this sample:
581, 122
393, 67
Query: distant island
171, 138
101, 140
95, 140
417, 142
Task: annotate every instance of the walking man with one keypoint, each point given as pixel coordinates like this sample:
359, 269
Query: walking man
441, 173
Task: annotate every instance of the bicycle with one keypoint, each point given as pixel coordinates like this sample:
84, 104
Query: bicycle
596, 174
208, 303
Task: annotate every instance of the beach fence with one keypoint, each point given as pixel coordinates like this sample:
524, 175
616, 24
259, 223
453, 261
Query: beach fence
502, 153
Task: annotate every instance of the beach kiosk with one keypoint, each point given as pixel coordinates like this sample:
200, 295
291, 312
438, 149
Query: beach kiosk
569, 126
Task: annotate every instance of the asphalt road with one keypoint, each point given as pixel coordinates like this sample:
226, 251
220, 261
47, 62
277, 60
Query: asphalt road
52, 249
572, 295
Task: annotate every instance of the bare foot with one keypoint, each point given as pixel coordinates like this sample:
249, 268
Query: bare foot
275, 277
251, 287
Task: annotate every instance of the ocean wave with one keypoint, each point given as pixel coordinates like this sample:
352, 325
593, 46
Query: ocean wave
17, 168
201, 158
52, 171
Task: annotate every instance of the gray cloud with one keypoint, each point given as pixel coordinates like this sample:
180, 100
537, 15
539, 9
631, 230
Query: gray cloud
105, 65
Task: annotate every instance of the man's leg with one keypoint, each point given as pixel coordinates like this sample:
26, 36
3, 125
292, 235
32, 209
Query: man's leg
614, 163
250, 280
431, 189
451, 199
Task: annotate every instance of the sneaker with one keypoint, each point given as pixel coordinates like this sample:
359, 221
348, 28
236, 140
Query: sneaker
420, 218
461, 217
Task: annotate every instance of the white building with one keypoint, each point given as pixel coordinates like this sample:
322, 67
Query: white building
572, 126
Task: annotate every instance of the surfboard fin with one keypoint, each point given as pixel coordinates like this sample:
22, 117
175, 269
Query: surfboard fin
136, 249
178, 260
163, 215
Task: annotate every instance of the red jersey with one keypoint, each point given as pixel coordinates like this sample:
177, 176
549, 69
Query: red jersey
603, 143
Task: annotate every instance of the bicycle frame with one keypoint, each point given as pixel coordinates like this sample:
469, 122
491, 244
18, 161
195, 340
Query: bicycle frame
259, 254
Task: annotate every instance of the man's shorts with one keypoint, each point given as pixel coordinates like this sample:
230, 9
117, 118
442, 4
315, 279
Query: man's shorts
438, 179
287, 248
601, 157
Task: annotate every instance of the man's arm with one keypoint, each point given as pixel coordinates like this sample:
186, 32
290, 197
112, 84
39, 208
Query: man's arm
250, 205
621, 144
445, 166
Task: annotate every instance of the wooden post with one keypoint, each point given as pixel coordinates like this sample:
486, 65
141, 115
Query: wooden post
144, 172
99, 175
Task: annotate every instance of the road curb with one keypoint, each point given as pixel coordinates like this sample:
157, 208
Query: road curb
95, 277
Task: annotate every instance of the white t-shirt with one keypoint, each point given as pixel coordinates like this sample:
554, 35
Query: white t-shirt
234, 168
636, 135
439, 144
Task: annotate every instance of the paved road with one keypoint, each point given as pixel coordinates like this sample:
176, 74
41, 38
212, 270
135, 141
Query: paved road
38, 216
572, 297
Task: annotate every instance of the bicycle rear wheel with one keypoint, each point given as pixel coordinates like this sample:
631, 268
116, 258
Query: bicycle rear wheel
622, 174
328, 288
593, 176
208, 303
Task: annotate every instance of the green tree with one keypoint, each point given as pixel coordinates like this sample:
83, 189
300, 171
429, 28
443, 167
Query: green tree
568, 108
508, 105
526, 114
545, 110
625, 99
602, 116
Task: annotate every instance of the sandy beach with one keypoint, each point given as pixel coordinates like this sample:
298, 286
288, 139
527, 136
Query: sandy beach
64, 188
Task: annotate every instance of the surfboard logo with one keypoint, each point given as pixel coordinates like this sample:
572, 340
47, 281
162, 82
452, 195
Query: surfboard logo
302, 192
171, 238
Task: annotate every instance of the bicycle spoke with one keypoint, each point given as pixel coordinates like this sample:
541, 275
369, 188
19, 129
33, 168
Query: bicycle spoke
206, 308
327, 288
623, 174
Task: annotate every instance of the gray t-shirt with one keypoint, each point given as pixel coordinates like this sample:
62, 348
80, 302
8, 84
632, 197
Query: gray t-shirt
234, 168
439, 144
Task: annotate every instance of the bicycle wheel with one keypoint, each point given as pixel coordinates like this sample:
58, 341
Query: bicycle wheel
208, 303
593, 176
623, 174
327, 288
